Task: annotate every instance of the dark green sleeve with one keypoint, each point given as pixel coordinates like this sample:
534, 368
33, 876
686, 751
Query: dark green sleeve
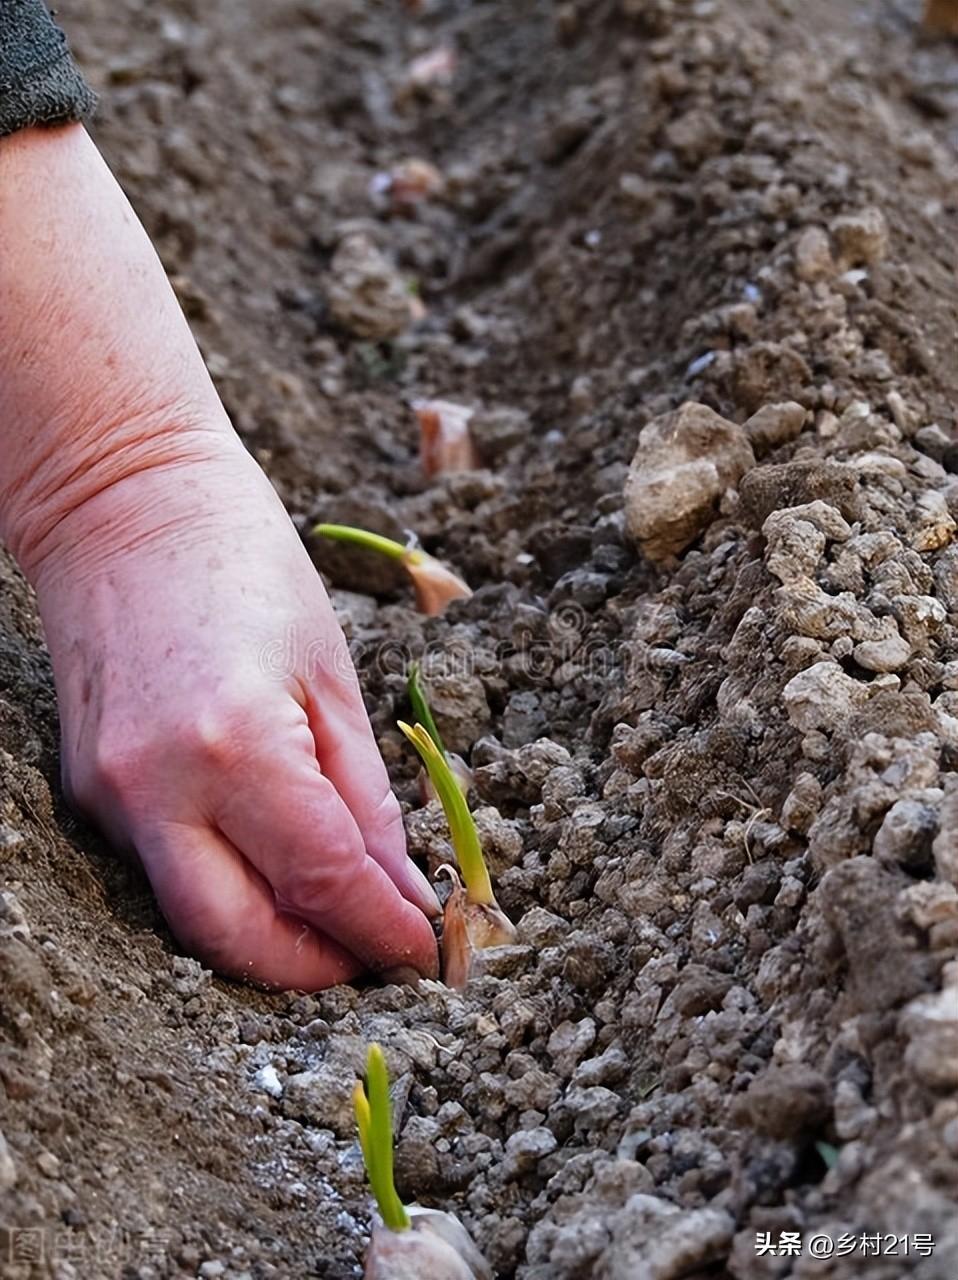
39, 81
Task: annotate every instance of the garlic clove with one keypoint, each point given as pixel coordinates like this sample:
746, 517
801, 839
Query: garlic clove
433, 583
447, 1227
444, 441
413, 1255
468, 927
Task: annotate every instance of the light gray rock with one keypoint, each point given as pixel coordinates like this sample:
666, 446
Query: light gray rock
13, 921
684, 463
889, 653
569, 1043
823, 697
655, 1240
458, 703
775, 424
802, 803
364, 292
524, 1150
8, 1170
813, 255
946, 844
930, 1023
906, 834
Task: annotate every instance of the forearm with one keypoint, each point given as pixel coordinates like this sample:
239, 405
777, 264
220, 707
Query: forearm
99, 375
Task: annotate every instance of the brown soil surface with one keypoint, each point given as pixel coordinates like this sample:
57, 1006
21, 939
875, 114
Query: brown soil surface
722, 807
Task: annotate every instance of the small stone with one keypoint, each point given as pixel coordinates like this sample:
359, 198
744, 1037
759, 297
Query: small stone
268, 1080
906, 833
212, 1269
592, 1108
525, 1149
655, 1240
930, 1022
8, 1170
823, 697
497, 430
861, 238
685, 462
48, 1164
13, 921
786, 1101
934, 526
775, 424
946, 843
933, 441
458, 703
366, 295
793, 484
569, 1043
541, 928
813, 255
890, 653
608, 1068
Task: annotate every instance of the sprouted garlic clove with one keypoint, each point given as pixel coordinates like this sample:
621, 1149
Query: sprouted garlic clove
468, 927
437, 1248
410, 1243
433, 583
444, 441
447, 1227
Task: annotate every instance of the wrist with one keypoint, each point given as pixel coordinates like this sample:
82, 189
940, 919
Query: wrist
70, 506
154, 490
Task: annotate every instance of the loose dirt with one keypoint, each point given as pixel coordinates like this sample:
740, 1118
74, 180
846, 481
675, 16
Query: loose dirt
716, 771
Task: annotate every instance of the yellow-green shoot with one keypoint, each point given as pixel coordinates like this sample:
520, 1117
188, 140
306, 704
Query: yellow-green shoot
371, 541
433, 583
462, 826
420, 707
375, 1124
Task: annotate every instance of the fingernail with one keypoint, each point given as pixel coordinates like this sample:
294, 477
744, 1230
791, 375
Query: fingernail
421, 890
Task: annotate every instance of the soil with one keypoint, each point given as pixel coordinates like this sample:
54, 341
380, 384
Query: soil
718, 785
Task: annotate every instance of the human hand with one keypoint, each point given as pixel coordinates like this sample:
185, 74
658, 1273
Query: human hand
167, 572
212, 721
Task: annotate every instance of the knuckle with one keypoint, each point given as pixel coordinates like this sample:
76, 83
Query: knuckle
110, 772
215, 738
319, 886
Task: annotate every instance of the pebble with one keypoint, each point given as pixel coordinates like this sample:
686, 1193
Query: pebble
906, 833
813, 255
775, 424
8, 1170
268, 1080
653, 1239
525, 1149
823, 697
684, 463
366, 295
861, 238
